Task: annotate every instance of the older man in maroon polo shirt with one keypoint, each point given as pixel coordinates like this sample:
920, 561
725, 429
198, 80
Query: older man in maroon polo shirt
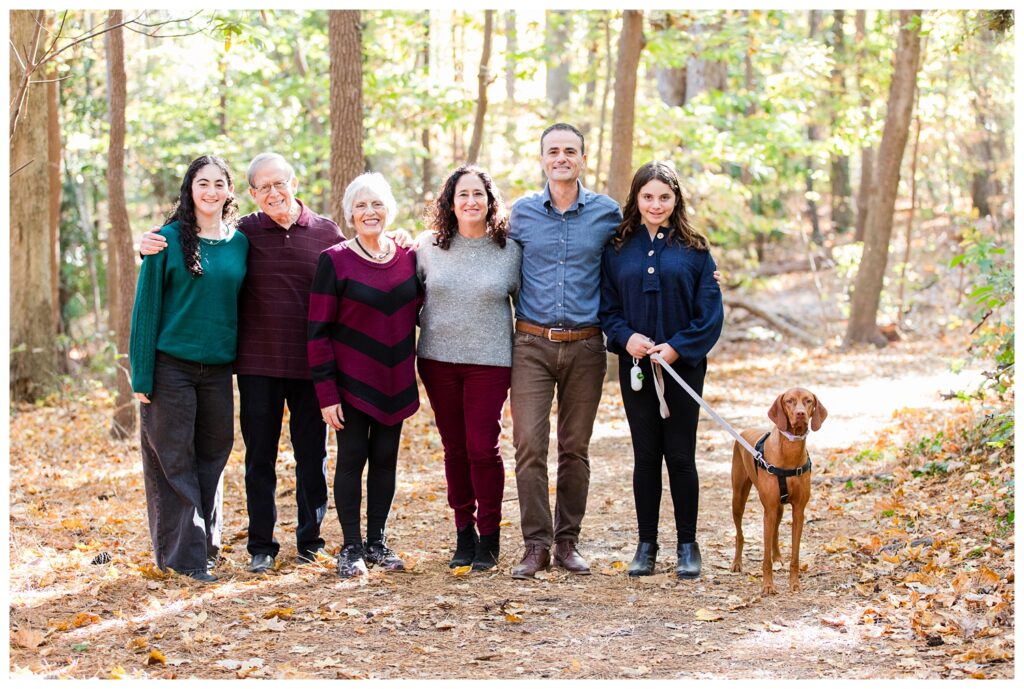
285, 241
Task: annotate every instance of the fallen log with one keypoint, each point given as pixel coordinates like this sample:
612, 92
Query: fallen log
776, 321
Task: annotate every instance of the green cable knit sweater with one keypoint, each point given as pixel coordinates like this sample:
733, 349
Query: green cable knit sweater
191, 318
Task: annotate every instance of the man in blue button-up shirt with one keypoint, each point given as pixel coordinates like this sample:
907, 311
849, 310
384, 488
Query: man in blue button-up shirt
558, 347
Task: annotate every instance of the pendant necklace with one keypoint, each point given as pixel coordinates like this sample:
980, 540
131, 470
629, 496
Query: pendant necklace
376, 257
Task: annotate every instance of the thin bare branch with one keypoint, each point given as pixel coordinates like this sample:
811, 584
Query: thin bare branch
22, 167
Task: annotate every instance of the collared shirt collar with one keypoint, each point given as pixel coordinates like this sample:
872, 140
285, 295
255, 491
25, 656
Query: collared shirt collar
581, 196
305, 216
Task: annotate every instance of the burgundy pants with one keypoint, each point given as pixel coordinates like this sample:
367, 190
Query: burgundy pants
467, 401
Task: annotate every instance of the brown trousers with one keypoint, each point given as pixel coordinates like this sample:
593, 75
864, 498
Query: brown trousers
574, 371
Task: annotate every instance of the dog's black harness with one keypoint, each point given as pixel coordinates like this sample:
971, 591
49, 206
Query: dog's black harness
780, 474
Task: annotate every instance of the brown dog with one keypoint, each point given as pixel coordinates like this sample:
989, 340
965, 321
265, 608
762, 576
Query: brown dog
791, 413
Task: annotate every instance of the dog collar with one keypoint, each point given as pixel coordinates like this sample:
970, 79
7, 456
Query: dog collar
791, 437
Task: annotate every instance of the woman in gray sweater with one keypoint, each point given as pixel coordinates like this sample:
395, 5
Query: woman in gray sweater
470, 273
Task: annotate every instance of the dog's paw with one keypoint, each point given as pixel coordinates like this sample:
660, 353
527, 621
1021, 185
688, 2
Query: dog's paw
768, 589
794, 585
736, 567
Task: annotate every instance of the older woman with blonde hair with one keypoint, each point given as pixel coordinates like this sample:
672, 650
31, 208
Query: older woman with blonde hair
362, 320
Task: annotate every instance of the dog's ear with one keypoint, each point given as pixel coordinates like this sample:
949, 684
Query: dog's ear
778, 414
819, 415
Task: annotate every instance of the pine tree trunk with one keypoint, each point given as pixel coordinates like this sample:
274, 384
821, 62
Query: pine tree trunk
631, 43
878, 229
33, 359
346, 48
483, 79
122, 254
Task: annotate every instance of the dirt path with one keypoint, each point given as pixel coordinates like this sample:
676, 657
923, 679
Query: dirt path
75, 495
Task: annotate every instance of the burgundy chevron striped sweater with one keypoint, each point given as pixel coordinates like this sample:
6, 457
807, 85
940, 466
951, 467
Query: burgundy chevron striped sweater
362, 333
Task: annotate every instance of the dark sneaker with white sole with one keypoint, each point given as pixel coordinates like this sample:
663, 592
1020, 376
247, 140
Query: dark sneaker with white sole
378, 554
351, 562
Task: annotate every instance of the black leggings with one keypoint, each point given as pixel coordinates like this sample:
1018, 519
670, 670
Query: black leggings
673, 439
363, 438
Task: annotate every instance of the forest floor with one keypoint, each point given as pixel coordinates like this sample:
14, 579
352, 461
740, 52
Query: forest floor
873, 604
907, 556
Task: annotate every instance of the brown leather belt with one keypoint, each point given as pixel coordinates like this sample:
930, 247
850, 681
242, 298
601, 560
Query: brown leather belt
557, 334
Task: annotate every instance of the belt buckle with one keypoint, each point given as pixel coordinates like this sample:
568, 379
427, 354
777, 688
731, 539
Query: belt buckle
552, 331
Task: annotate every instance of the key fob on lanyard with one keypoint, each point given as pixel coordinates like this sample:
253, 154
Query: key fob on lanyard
636, 376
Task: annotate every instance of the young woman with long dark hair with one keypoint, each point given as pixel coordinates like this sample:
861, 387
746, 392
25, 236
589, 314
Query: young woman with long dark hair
183, 341
659, 295
470, 273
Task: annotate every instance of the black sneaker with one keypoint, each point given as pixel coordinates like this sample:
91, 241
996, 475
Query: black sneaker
384, 557
350, 561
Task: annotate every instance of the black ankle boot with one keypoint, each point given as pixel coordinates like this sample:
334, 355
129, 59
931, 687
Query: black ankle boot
487, 552
465, 547
643, 562
688, 564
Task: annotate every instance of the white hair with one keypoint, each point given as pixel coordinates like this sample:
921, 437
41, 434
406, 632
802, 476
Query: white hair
370, 184
268, 157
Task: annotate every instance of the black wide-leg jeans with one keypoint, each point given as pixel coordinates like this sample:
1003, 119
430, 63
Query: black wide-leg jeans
672, 440
187, 431
262, 400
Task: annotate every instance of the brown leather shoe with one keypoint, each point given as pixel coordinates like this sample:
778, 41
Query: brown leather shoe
536, 558
569, 559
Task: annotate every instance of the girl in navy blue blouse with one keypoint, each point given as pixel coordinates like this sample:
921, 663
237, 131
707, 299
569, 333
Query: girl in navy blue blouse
659, 294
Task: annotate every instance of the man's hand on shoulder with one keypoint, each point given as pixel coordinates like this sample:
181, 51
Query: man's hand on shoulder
152, 243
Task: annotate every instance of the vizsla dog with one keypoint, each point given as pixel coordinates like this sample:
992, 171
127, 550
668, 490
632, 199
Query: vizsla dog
787, 479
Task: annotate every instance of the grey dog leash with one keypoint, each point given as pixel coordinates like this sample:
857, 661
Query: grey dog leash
658, 359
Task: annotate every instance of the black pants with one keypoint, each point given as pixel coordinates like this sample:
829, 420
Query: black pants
673, 439
187, 431
364, 440
262, 409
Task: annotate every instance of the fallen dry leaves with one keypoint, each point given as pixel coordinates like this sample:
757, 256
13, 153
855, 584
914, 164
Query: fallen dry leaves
909, 571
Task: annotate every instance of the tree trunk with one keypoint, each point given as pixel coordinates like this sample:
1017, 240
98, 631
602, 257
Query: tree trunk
909, 232
671, 81
704, 75
119, 238
427, 177
346, 48
557, 52
511, 47
483, 79
867, 154
842, 215
631, 42
32, 333
602, 121
313, 100
812, 135
54, 154
878, 229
